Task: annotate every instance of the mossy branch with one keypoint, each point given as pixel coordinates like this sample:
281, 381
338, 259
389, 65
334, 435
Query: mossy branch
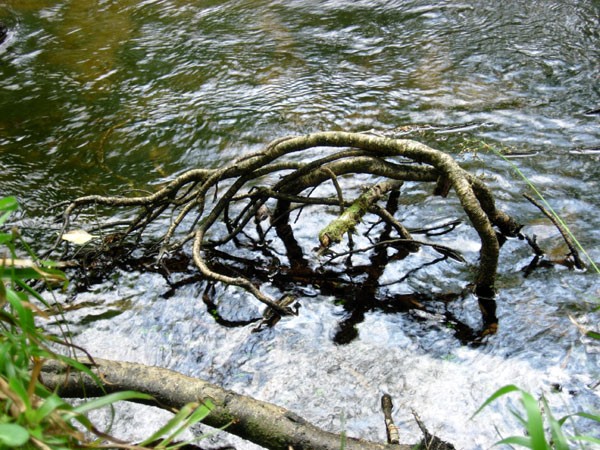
352, 215
210, 196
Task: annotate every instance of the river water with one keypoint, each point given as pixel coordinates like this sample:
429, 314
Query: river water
100, 97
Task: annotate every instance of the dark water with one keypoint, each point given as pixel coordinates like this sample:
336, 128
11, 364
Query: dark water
107, 97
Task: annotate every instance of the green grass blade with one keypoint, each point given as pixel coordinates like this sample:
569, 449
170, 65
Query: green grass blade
549, 208
51, 403
586, 439
201, 411
559, 440
78, 366
7, 205
18, 386
171, 425
517, 440
196, 416
594, 417
109, 400
535, 422
25, 315
593, 335
522, 420
499, 393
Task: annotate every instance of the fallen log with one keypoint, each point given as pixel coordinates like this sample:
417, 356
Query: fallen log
262, 423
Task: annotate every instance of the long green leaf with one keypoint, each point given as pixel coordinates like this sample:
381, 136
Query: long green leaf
499, 393
8, 205
201, 412
196, 416
522, 420
535, 422
187, 416
25, 315
594, 417
36, 273
517, 440
109, 400
593, 334
559, 441
78, 366
17, 385
171, 425
204, 435
549, 208
586, 439
51, 403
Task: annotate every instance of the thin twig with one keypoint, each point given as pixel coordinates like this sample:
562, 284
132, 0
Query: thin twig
563, 231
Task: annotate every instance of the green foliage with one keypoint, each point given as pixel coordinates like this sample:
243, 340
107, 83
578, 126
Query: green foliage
542, 430
31, 416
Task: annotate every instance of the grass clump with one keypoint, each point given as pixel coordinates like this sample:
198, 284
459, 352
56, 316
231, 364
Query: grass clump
31, 416
542, 430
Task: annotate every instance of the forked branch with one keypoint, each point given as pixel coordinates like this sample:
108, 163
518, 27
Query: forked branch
275, 177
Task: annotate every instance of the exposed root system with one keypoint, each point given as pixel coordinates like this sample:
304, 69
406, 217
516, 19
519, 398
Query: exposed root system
245, 214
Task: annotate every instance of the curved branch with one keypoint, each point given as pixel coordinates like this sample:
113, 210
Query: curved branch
259, 422
458, 178
352, 153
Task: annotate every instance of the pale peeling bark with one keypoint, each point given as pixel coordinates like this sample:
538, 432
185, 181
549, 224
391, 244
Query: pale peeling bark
262, 423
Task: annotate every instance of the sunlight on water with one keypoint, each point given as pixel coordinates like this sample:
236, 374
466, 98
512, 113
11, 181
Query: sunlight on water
102, 97
296, 364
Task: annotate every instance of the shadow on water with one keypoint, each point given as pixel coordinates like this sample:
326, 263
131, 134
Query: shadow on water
358, 288
117, 97
3, 32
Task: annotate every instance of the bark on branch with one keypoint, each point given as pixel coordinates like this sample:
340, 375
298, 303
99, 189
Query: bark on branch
262, 423
343, 153
350, 217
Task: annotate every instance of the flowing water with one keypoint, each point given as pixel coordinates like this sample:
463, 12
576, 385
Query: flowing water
101, 96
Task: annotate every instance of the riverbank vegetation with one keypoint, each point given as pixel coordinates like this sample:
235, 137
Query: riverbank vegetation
33, 416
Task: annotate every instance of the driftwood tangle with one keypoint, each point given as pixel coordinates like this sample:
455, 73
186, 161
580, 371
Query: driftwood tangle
242, 185
212, 208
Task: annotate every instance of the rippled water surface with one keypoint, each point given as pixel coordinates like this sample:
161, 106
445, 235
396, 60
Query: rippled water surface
112, 96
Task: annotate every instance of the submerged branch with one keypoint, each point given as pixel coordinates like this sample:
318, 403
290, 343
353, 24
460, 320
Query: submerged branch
249, 186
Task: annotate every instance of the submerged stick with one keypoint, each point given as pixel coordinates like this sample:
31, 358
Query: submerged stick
561, 228
393, 436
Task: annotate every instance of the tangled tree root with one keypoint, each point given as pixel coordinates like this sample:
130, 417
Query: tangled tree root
272, 183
